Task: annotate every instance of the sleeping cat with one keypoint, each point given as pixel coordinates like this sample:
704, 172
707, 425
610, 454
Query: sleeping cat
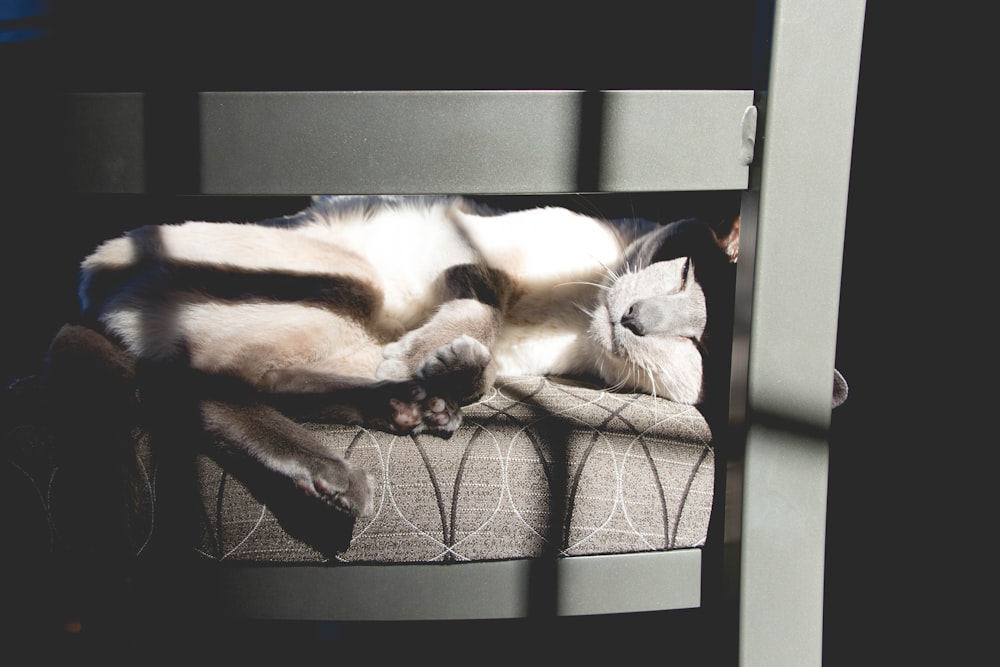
394, 312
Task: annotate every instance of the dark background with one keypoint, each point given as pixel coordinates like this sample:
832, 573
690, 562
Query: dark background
896, 552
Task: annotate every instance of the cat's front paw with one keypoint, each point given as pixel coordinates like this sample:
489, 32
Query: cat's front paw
463, 354
457, 369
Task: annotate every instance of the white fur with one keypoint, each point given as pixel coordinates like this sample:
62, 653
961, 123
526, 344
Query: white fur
544, 246
408, 248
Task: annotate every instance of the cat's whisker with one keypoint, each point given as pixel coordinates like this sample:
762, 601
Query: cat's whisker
626, 378
611, 384
611, 273
619, 382
591, 207
604, 266
583, 282
652, 391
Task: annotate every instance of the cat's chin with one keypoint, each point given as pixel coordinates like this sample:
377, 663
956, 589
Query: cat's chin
623, 375
626, 374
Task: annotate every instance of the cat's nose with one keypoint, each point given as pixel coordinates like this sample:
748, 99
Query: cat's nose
630, 320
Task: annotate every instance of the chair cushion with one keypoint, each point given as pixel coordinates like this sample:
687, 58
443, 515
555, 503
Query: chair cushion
540, 466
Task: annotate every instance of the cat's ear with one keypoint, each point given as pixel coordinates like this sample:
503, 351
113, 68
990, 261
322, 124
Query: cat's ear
730, 241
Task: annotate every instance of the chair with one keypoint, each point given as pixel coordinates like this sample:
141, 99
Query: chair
757, 563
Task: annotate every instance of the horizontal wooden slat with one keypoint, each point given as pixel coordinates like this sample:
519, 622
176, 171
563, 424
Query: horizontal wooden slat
506, 589
484, 142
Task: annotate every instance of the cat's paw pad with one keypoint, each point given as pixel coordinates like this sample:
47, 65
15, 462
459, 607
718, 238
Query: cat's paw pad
340, 485
462, 355
420, 413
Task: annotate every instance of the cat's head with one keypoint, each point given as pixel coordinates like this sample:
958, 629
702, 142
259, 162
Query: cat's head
656, 320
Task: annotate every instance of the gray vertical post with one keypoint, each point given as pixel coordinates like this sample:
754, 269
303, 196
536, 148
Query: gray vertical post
807, 139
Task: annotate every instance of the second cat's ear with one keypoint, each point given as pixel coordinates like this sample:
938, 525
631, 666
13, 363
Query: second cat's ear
730, 241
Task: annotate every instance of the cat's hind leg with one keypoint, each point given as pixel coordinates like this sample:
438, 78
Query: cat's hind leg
291, 451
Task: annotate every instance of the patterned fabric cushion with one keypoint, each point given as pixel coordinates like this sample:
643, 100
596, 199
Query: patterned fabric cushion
539, 467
